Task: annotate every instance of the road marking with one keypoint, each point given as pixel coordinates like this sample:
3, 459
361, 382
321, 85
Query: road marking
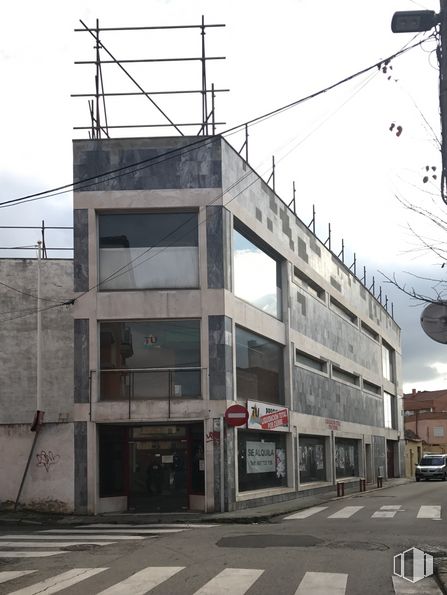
346, 512
51, 543
428, 587
182, 526
386, 512
58, 582
429, 512
143, 581
118, 531
322, 583
41, 536
29, 554
303, 514
236, 581
9, 575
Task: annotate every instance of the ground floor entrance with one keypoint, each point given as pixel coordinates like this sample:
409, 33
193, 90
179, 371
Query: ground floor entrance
158, 468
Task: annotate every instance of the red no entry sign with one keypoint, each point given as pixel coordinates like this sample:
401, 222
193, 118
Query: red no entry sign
236, 415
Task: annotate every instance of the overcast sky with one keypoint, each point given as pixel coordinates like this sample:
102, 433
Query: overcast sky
338, 148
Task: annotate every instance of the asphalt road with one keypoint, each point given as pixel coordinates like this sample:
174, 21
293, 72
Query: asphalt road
314, 554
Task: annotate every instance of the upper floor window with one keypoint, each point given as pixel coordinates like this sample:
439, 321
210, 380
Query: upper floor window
257, 275
259, 368
309, 284
150, 359
157, 250
388, 362
389, 410
343, 311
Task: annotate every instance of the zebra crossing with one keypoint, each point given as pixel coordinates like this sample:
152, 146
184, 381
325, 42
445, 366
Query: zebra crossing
388, 511
54, 542
236, 581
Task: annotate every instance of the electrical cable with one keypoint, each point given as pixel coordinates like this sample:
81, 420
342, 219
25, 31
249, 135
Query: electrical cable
118, 273
73, 185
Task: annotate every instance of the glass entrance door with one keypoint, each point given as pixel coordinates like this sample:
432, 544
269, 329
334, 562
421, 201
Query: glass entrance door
158, 472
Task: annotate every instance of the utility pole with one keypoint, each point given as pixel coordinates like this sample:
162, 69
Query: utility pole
442, 61
415, 21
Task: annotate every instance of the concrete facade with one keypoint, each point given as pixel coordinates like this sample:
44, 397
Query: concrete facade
306, 358
208, 177
49, 483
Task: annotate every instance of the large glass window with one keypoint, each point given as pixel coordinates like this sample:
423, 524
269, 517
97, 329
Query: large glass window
150, 359
346, 458
148, 250
312, 459
262, 461
389, 410
259, 368
257, 277
388, 362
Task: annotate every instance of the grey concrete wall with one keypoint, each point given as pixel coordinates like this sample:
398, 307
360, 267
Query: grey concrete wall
218, 242
18, 338
148, 163
80, 467
80, 239
259, 208
315, 394
315, 320
379, 455
48, 484
220, 344
81, 361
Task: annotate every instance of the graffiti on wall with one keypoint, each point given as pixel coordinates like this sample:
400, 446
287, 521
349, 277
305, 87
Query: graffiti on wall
46, 458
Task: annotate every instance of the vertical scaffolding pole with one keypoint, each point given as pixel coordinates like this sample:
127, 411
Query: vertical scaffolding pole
204, 96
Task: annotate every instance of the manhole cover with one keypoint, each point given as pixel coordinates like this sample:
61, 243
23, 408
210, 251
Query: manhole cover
358, 545
260, 541
81, 547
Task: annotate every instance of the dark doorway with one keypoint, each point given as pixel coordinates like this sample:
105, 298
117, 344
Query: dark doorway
390, 452
158, 467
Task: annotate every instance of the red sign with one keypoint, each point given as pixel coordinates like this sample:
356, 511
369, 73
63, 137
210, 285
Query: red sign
236, 415
333, 424
278, 419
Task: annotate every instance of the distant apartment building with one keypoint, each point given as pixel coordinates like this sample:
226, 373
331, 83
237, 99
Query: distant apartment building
425, 414
197, 288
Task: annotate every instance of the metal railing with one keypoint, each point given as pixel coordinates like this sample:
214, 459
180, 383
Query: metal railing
138, 384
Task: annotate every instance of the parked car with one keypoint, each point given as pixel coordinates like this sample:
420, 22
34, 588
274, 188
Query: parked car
432, 466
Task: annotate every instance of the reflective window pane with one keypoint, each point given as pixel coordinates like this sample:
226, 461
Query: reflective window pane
256, 276
259, 368
148, 250
150, 359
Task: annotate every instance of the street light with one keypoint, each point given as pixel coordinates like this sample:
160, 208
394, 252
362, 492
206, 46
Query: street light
414, 21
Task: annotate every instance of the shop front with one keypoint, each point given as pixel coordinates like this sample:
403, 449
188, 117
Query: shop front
154, 468
262, 449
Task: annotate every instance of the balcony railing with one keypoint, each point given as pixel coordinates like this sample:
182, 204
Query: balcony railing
136, 384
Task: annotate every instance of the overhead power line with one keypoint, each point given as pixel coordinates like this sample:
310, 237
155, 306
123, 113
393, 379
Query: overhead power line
80, 184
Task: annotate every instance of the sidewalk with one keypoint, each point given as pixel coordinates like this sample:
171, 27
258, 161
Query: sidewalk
260, 514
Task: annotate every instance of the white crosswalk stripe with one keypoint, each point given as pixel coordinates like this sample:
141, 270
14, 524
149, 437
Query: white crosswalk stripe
15, 554
323, 583
429, 512
9, 575
98, 534
236, 581
114, 532
143, 581
387, 512
304, 514
58, 582
346, 512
